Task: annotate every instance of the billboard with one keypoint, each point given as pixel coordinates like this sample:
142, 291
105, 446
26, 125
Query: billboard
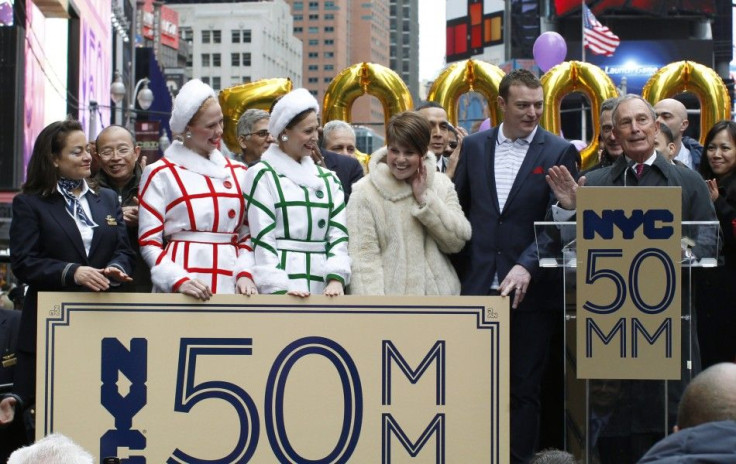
655, 7
473, 25
169, 28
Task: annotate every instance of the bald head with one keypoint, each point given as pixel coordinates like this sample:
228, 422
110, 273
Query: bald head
710, 397
673, 114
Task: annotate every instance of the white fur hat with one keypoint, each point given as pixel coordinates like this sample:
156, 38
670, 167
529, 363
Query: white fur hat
187, 102
289, 106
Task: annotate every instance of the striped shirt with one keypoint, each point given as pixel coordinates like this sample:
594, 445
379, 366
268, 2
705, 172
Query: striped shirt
507, 161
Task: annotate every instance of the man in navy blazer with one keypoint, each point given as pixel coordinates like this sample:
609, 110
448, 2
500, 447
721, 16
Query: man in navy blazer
348, 170
500, 181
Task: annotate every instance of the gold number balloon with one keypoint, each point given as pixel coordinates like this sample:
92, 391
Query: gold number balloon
467, 76
575, 76
235, 100
365, 78
688, 76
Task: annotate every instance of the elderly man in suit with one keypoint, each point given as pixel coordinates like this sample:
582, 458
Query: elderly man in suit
500, 180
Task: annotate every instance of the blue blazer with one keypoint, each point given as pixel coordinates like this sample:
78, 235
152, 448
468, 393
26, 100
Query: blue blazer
46, 248
348, 170
502, 239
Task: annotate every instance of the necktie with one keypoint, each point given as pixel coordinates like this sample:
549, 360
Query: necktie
639, 170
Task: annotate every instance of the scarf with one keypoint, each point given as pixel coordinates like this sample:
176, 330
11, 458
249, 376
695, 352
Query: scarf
66, 186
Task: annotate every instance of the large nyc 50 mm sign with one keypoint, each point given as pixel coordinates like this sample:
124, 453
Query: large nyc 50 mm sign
628, 283
266, 379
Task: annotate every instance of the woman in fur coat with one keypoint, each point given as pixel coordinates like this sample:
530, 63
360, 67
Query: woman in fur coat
191, 226
296, 209
404, 218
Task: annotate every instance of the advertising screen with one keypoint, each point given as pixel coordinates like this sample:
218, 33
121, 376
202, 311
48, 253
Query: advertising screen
656, 7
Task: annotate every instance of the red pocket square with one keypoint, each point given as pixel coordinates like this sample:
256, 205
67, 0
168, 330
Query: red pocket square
538, 170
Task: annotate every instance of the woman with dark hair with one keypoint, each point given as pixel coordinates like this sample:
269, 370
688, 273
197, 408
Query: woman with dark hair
66, 235
192, 230
296, 209
716, 290
404, 218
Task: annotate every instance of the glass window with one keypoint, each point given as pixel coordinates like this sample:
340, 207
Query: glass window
298, 5
246, 79
313, 80
215, 83
298, 30
327, 80
329, 16
205, 60
206, 80
329, 29
246, 35
216, 37
313, 67
314, 5
329, 67
330, 6
329, 41
216, 60
313, 17
313, 30
206, 36
235, 36
329, 54
313, 54
235, 59
246, 59
313, 42
298, 18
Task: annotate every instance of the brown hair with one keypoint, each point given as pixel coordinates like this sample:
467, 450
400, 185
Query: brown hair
517, 77
42, 176
409, 129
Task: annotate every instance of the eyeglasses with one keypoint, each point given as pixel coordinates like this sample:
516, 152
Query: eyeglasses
261, 133
123, 150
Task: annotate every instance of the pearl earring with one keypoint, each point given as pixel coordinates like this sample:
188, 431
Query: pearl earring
284, 138
188, 135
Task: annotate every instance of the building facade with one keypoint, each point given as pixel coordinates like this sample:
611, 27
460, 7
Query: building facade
234, 43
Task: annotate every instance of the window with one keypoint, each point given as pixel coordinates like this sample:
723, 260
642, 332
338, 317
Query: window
329, 54
313, 17
298, 18
313, 80
313, 67
329, 16
246, 59
329, 67
215, 83
298, 5
314, 93
217, 37
313, 30
298, 30
246, 79
235, 59
327, 80
235, 80
313, 54
185, 33
329, 41
235, 36
330, 6
313, 42
216, 60
246, 35
205, 60
329, 29
314, 5
206, 36
206, 80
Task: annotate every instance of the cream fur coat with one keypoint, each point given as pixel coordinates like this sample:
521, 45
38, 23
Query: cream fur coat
397, 247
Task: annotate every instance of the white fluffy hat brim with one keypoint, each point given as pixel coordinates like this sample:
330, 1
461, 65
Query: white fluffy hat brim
289, 106
187, 102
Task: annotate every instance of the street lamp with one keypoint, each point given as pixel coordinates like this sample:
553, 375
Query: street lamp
144, 98
117, 89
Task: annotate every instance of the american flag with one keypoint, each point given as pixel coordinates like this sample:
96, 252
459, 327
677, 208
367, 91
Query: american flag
598, 38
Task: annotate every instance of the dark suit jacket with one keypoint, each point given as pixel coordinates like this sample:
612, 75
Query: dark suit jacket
348, 170
502, 239
46, 248
9, 324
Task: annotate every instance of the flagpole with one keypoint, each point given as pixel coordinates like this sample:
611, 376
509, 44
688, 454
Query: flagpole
582, 29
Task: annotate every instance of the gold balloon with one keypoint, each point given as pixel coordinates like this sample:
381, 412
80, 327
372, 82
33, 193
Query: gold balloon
365, 78
235, 100
688, 76
364, 159
467, 76
575, 76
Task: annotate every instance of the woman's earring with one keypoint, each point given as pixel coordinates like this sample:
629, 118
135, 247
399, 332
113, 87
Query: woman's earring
284, 138
188, 135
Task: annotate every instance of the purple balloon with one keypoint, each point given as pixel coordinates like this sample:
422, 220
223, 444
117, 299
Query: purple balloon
549, 50
485, 125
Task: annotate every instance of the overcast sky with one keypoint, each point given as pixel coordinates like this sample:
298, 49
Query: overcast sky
431, 38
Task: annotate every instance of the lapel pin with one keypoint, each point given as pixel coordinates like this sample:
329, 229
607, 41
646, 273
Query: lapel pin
111, 221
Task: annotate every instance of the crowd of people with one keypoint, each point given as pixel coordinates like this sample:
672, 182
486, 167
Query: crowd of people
437, 211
